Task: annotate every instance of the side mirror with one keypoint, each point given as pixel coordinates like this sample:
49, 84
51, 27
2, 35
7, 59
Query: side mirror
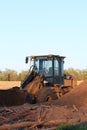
26, 60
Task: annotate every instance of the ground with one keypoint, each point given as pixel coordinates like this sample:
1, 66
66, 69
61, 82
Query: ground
69, 109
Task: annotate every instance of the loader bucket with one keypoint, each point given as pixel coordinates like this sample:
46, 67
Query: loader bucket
12, 97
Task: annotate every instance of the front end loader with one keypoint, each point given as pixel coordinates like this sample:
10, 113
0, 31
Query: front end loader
45, 81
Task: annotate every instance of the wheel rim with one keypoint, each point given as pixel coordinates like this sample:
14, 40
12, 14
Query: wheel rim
49, 98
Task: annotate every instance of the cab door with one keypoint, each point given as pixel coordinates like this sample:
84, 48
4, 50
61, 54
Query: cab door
58, 71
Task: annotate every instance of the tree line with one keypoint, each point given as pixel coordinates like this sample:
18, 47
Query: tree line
12, 75
77, 73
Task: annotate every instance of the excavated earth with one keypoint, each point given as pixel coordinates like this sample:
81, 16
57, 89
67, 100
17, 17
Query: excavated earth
69, 109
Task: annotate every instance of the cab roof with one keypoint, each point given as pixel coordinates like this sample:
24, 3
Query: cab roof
49, 55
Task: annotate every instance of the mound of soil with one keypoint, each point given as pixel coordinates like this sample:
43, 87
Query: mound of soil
69, 109
77, 96
40, 117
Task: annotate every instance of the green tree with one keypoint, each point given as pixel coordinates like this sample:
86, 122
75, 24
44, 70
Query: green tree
9, 75
22, 75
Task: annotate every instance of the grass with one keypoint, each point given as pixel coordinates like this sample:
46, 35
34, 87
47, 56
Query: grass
72, 127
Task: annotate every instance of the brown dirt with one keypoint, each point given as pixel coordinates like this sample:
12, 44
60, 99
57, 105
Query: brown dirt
70, 109
77, 96
79, 82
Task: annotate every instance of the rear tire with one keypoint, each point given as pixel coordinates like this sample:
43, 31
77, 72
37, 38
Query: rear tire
45, 94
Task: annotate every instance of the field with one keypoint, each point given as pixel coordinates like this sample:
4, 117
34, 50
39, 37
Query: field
9, 84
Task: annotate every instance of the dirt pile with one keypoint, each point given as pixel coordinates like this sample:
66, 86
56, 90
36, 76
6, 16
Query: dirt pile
70, 109
77, 96
40, 117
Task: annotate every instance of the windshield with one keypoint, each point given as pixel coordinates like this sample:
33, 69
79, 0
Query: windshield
44, 66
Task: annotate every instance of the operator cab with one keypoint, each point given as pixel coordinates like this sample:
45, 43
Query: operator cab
51, 66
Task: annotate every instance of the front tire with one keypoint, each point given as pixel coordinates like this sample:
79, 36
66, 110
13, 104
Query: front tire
45, 94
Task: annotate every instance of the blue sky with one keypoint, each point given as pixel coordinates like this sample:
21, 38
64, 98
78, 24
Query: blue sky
35, 27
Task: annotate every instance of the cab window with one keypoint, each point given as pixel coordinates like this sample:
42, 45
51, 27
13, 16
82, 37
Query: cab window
56, 67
